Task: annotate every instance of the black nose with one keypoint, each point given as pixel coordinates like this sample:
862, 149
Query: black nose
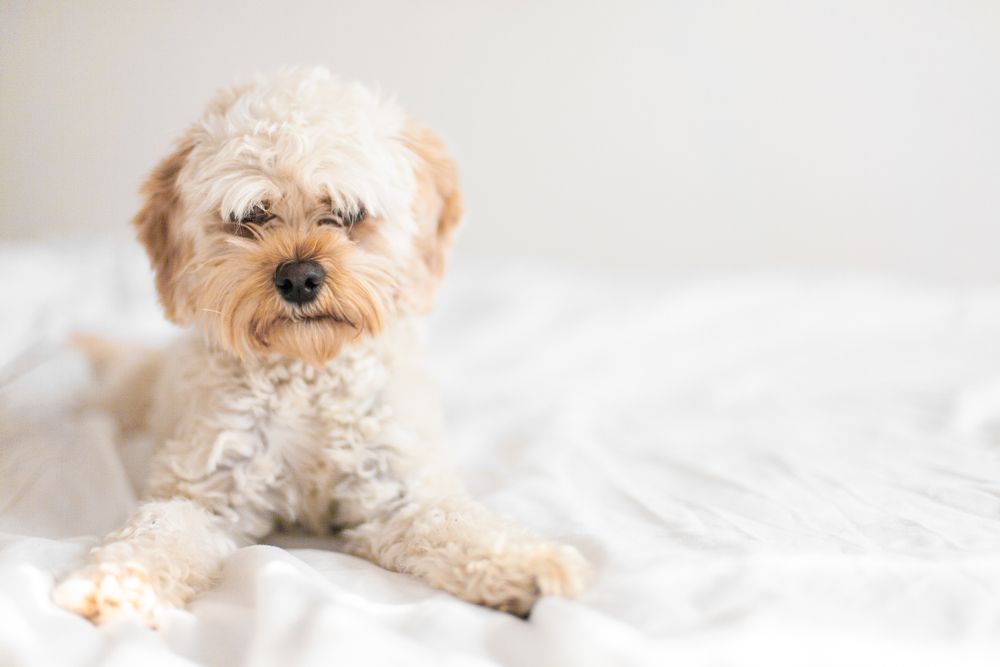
299, 282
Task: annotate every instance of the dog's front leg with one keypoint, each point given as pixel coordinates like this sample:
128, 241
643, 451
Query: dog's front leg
455, 544
167, 551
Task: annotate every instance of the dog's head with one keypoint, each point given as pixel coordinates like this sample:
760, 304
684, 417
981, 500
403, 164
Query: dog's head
300, 213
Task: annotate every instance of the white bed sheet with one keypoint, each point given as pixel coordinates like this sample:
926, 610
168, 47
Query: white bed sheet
781, 469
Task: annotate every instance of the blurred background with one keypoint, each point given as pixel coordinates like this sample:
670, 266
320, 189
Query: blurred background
669, 136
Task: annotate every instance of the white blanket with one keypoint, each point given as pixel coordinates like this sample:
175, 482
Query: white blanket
768, 470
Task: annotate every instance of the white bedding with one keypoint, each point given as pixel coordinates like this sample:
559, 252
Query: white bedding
778, 469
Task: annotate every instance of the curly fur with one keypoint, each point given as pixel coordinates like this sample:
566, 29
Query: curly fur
318, 414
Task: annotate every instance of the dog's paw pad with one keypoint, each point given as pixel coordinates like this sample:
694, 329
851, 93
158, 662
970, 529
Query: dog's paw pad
101, 593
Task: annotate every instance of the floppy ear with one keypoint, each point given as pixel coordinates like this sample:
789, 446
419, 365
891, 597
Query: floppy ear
157, 225
437, 210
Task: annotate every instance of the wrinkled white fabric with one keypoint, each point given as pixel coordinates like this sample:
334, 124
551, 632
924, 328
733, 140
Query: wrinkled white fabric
778, 469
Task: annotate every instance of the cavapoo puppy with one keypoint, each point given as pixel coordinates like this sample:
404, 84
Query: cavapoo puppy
300, 228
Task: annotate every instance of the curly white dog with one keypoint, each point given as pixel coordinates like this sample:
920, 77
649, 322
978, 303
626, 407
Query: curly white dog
301, 227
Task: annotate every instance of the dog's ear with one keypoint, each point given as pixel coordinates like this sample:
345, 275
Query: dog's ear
157, 224
437, 210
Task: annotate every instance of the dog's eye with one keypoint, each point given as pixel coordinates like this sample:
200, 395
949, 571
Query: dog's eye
345, 219
255, 216
245, 225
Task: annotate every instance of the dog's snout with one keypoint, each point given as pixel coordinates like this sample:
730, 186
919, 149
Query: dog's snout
299, 282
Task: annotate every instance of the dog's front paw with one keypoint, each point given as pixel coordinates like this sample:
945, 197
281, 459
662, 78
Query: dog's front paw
107, 591
562, 571
513, 580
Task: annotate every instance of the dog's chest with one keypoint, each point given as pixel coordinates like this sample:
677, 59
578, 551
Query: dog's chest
326, 426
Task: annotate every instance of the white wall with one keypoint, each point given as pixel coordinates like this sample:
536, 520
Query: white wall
676, 135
